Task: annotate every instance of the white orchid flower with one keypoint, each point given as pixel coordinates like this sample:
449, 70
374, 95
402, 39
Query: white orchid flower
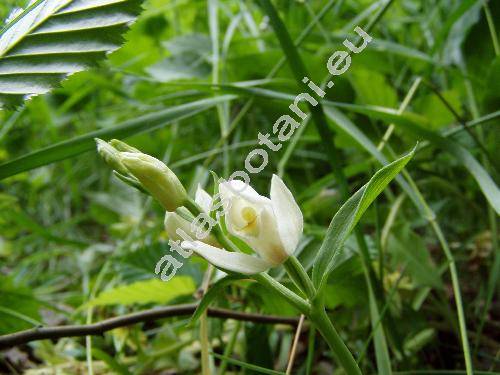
270, 226
174, 221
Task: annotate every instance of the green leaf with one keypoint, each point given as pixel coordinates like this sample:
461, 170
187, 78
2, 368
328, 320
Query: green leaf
147, 291
248, 366
211, 294
346, 125
85, 142
178, 68
258, 349
347, 217
419, 340
433, 108
18, 306
111, 362
53, 39
372, 88
419, 126
409, 248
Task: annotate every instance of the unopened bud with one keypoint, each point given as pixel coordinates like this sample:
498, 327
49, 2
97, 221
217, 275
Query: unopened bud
122, 146
111, 156
156, 178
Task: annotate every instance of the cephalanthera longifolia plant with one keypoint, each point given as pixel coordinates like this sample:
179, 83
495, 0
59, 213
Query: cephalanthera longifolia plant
270, 227
51, 39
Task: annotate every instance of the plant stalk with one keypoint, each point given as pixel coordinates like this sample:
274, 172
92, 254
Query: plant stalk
322, 322
319, 317
299, 303
299, 275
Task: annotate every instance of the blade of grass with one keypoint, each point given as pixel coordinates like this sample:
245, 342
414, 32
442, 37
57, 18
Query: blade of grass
293, 350
491, 27
408, 122
204, 336
85, 142
427, 213
310, 350
416, 126
248, 366
327, 137
229, 348
274, 71
492, 283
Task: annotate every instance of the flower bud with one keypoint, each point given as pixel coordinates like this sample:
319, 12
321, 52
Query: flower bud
122, 146
110, 156
156, 178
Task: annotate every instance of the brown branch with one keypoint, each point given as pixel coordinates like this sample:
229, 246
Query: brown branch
40, 333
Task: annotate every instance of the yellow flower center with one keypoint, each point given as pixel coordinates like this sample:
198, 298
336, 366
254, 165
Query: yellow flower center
249, 215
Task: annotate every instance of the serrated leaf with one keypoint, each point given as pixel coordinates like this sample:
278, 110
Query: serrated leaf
147, 291
347, 217
52, 39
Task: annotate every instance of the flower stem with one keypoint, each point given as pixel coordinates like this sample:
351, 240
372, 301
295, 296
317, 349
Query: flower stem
320, 319
302, 305
299, 275
315, 312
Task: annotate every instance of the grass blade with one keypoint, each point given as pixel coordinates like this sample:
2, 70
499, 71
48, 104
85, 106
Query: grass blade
248, 366
84, 143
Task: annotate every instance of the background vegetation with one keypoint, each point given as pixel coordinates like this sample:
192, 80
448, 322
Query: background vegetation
193, 84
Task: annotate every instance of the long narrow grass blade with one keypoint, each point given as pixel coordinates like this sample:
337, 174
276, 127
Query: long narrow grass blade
84, 143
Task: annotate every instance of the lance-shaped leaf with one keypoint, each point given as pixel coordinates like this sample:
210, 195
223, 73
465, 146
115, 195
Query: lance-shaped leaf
211, 294
348, 216
52, 39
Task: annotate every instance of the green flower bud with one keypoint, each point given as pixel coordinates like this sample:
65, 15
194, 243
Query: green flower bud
122, 146
156, 178
110, 156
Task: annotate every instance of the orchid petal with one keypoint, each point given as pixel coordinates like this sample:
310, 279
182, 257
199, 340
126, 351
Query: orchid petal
230, 261
203, 199
172, 222
288, 215
228, 190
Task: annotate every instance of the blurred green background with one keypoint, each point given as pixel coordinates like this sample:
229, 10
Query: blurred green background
77, 245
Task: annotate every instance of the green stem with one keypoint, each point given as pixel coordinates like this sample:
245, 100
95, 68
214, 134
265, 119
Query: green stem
302, 305
204, 337
229, 348
458, 298
299, 275
310, 350
491, 26
320, 319
318, 115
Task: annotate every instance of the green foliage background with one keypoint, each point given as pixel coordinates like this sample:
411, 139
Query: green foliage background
77, 245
